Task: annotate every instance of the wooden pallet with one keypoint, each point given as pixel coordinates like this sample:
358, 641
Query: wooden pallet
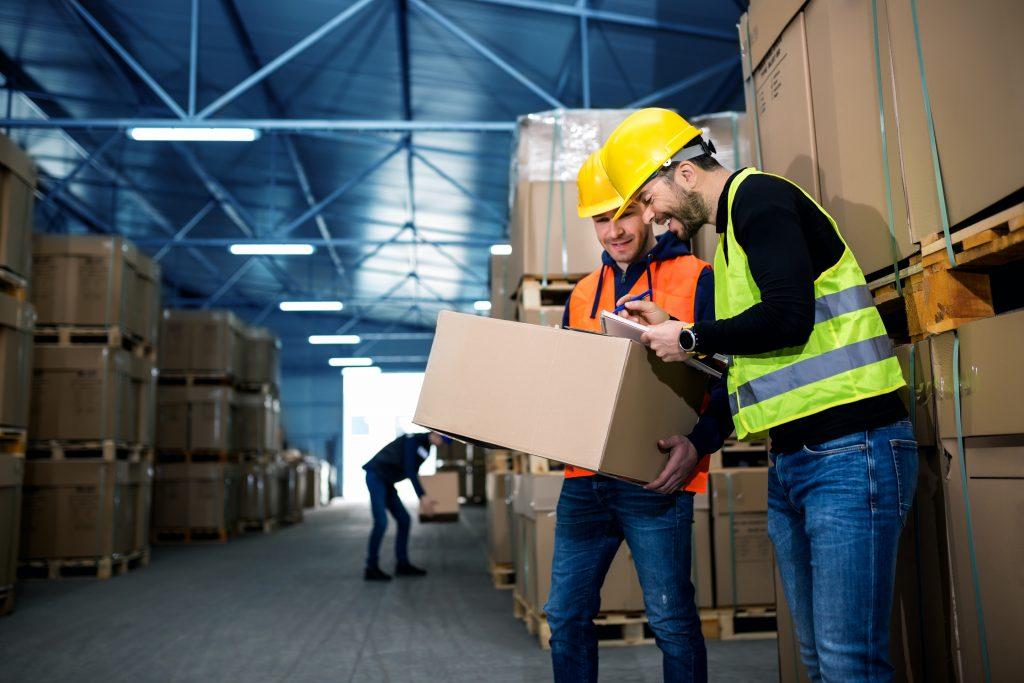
257, 387
13, 285
503, 575
257, 526
189, 378
520, 608
13, 441
197, 456
257, 457
614, 629
106, 450
189, 535
112, 336
741, 623
98, 567
291, 518
6, 600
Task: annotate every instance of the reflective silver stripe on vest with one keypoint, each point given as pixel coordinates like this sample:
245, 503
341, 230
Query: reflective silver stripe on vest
733, 405
814, 369
842, 302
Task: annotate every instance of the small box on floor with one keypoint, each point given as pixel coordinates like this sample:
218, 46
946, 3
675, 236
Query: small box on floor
743, 551
442, 487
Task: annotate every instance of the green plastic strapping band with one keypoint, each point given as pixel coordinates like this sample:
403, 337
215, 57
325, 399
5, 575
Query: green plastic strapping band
732, 540
880, 92
975, 577
930, 120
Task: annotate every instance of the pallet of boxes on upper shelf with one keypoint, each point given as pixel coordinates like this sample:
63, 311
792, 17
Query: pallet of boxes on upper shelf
862, 105
89, 467
17, 321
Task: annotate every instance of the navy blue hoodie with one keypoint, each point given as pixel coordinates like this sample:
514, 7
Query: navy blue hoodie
715, 423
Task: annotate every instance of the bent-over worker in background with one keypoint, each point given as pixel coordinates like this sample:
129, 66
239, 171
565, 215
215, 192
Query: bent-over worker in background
596, 513
400, 459
811, 365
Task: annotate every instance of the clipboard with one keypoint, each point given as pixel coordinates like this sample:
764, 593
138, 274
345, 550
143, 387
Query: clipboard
616, 326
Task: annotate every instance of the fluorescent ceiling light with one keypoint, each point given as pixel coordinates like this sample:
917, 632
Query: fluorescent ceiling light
350, 362
334, 339
188, 134
482, 305
501, 249
272, 249
311, 306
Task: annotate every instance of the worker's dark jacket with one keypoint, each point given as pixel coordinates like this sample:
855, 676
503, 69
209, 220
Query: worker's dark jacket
401, 459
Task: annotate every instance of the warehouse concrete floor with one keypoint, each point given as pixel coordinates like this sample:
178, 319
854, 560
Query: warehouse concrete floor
293, 607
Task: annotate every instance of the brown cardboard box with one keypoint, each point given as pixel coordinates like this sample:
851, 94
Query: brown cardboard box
17, 196
17, 320
621, 591
782, 94
766, 20
791, 667
75, 509
701, 555
743, 551
990, 371
147, 294
261, 349
499, 540
916, 362
205, 341
88, 393
195, 418
256, 419
537, 493
195, 495
548, 237
314, 472
259, 494
88, 280
12, 473
550, 316
140, 476
502, 306
291, 481
841, 55
621, 394
443, 487
144, 374
975, 91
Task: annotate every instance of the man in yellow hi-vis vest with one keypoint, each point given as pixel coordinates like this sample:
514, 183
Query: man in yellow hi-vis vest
811, 365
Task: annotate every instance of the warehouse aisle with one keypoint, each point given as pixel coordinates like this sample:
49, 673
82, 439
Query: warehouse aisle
293, 607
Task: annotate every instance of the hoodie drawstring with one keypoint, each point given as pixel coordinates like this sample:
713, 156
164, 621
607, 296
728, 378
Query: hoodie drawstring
597, 297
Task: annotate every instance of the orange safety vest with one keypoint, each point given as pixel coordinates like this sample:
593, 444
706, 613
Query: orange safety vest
674, 284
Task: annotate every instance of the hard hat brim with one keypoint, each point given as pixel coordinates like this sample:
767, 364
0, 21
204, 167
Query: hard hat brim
597, 209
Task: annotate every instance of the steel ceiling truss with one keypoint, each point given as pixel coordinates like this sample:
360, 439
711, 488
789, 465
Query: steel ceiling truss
191, 115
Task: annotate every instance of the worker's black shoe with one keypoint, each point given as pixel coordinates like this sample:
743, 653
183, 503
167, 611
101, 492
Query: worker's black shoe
407, 569
375, 574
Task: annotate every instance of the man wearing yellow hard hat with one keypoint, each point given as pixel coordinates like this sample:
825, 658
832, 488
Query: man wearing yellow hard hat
811, 365
596, 513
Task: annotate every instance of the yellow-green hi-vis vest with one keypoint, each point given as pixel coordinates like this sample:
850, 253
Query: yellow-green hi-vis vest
848, 356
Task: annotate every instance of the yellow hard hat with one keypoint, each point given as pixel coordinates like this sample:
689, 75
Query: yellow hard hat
596, 194
642, 144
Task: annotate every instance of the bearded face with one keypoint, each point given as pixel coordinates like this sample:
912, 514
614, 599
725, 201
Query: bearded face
665, 202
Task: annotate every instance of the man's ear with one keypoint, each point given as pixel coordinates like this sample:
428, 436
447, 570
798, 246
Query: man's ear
685, 175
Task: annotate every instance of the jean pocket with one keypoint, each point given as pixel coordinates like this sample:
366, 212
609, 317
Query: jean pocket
851, 443
904, 461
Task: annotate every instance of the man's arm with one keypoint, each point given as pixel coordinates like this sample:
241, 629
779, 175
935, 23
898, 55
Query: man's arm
412, 464
767, 226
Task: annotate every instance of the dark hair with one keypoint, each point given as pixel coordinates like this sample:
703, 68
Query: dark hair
704, 162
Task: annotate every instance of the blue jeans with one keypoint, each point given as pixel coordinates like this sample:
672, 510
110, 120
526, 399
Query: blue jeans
835, 513
594, 515
384, 498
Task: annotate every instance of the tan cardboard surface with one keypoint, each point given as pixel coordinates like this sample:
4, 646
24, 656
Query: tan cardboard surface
783, 99
259, 497
621, 591
990, 373
12, 472
622, 398
17, 188
444, 488
748, 486
205, 341
499, 540
924, 389
260, 351
743, 558
255, 418
16, 322
766, 19
702, 559
538, 493
195, 495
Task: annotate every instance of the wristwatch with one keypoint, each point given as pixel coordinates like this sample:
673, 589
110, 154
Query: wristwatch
688, 340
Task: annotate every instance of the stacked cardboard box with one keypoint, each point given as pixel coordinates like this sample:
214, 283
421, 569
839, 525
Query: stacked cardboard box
292, 485
814, 77
12, 472
92, 413
742, 550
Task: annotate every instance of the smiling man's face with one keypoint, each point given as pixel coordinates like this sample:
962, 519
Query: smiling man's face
627, 239
665, 202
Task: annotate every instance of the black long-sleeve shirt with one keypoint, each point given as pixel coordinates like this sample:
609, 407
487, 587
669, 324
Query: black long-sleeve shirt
401, 459
788, 242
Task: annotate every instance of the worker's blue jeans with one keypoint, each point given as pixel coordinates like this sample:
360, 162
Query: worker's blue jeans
595, 514
835, 513
383, 499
